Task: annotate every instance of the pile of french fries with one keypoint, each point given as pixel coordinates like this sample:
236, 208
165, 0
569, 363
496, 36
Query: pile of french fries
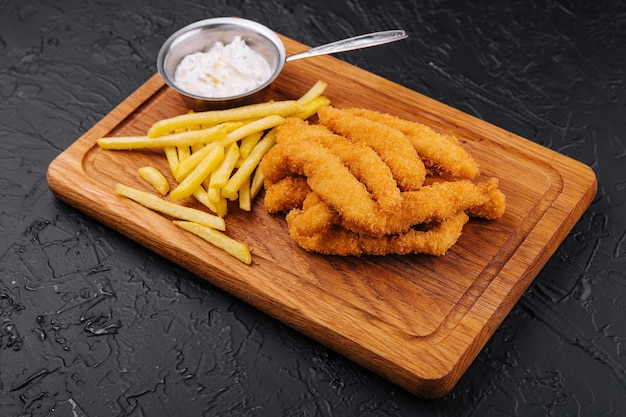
213, 157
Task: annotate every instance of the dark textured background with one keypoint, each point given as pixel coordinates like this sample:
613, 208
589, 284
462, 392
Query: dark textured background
91, 324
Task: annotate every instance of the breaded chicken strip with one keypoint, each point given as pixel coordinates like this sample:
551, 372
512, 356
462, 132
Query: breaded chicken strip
314, 217
286, 194
440, 152
435, 202
326, 174
393, 146
363, 162
356, 185
336, 240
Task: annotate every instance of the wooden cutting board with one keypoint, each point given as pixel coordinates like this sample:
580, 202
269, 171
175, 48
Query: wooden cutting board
417, 320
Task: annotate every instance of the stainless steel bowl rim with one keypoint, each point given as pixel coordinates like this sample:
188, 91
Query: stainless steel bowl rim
232, 23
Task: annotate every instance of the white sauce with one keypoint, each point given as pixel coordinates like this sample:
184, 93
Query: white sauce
223, 71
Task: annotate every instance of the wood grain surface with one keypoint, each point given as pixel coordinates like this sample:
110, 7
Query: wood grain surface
417, 320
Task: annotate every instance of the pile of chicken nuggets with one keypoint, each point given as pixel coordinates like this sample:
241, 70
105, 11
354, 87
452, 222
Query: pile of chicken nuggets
362, 182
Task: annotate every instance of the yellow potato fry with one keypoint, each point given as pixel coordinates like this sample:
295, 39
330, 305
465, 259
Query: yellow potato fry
265, 123
222, 207
220, 176
155, 178
314, 92
189, 163
216, 238
245, 201
202, 196
257, 183
206, 182
312, 107
248, 143
214, 195
198, 175
171, 154
189, 138
177, 211
213, 117
249, 165
183, 152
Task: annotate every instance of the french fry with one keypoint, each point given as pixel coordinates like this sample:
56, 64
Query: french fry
183, 152
260, 125
189, 163
245, 200
312, 107
220, 176
171, 154
214, 194
218, 201
251, 162
222, 207
317, 90
219, 239
214, 117
200, 172
177, 211
202, 196
214, 157
155, 178
196, 147
248, 143
188, 138
256, 183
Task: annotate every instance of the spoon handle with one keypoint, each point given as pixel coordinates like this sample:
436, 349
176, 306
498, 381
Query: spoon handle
350, 44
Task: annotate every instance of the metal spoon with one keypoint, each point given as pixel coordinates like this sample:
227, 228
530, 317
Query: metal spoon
357, 42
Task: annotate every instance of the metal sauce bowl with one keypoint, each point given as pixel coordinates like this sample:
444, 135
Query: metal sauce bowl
201, 36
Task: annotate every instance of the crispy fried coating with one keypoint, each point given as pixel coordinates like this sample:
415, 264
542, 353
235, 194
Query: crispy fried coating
435, 202
350, 186
393, 146
363, 162
325, 174
439, 152
314, 217
286, 194
336, 240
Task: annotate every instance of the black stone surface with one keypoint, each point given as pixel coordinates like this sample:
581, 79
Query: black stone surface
92, 324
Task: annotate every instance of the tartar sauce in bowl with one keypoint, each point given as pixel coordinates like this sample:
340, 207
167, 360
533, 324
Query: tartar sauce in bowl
225, 70
221, 62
